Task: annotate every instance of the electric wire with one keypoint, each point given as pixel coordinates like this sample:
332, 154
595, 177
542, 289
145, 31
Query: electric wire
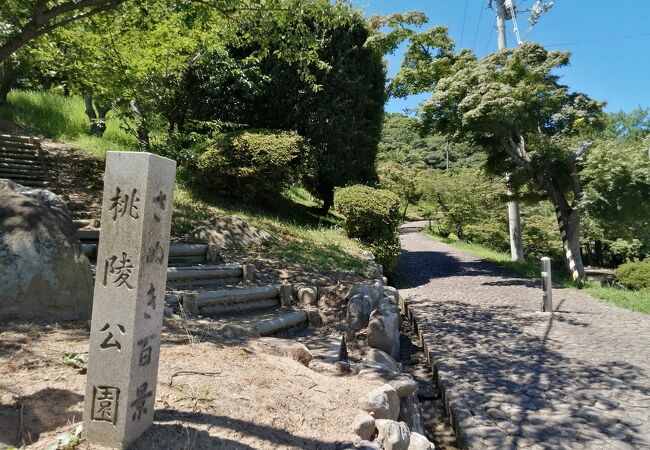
462, 32
478, 26
591, 41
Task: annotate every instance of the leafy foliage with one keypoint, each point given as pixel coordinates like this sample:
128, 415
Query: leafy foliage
402, 181
402, 142
616, 200
339, 111
372, 215
634, 274
253, 163
466, 198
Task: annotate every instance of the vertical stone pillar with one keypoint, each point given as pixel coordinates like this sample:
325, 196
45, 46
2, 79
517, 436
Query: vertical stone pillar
547, 288
129, 297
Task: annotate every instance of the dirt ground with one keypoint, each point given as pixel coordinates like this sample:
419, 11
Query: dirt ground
245, 399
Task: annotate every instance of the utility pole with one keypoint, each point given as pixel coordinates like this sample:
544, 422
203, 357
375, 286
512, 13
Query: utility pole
514, 216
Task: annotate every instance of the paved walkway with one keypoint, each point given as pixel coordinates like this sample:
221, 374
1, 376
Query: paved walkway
515, 377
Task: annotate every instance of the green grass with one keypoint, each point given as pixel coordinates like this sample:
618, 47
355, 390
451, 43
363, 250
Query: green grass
303, 236
625, 298
63, 118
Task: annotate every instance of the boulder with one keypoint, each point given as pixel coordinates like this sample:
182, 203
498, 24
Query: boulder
375, 291
358, 314
419, 442
381, 403
383, 329
44, 274
393, 435
405, 386
285, 347
410, 412
230, 232
364, 425
382, 359
390, 291
374, 271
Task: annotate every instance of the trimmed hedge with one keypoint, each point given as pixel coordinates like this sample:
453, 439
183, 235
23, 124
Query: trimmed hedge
253, 162
372, 216
635, 274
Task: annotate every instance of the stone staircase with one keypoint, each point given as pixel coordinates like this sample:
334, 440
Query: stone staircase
219, 294
22, 160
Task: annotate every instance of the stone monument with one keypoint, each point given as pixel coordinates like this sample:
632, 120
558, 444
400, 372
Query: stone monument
129, 297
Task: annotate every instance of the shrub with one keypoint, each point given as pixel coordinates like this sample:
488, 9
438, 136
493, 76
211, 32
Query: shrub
372, 216
253, 162
491, 234
634, 275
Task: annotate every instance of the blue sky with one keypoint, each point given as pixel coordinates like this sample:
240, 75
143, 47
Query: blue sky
609, 41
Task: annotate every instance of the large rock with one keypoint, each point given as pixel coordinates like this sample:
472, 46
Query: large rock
419, 442
410, 412
358, 314
375, 291
44, 274
382, 359
393, 435
381, 403
364, 425
405, 386
383, 329
285, 347
230, 232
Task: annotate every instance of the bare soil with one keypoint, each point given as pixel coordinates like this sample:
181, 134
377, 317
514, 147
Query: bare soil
234, 397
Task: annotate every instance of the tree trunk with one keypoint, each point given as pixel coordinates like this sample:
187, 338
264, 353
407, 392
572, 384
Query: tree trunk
568, 220
7, 80
328, 201
142, 132
404, 213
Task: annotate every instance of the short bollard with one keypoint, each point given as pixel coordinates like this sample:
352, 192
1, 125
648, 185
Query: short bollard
547, 290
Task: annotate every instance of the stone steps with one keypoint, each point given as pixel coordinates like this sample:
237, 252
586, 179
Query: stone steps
231, 300
18, 139
16, 162
181, 255
21, 160
209, 276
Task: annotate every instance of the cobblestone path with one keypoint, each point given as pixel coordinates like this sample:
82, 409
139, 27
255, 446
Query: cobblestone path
515, 377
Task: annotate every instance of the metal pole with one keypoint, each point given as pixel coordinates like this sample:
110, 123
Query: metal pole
547, 289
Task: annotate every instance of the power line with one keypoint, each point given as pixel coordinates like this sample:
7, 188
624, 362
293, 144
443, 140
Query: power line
478, 26
616, 38
462, 33
487, 44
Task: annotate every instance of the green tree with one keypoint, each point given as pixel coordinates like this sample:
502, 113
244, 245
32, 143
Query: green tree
512, 104
402, 181
616, 199
464, 199
336, 101
22, 21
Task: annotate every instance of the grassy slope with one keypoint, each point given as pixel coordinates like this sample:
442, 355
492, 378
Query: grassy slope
633, 300
304, 237
64, 119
